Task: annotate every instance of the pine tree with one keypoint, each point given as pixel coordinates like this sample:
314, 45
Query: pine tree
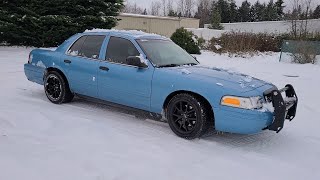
185, 39
270, 12
233, 11
316, 13
244, 11
49, 23
145, 12
259, 11
172, 13
279, 9
216, 20
224, 9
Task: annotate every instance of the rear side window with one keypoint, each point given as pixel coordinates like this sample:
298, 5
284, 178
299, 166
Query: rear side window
87, 46
120, 49
76, 47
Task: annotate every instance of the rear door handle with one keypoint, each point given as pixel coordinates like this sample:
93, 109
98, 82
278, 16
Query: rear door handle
67, 61
104, 68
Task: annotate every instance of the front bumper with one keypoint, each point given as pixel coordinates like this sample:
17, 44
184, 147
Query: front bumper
284, 108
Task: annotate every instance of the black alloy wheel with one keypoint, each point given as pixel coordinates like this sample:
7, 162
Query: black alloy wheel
56, 88
187, 116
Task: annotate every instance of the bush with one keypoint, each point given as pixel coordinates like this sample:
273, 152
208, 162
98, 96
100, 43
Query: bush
242, 42
201, 42
186, 40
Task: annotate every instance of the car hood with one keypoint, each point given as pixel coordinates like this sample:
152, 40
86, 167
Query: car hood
222, 77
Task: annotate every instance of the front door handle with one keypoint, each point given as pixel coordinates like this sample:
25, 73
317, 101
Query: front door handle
104, 68
67, 61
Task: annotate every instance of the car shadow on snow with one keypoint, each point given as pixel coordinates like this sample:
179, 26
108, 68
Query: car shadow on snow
265, 141
254, 142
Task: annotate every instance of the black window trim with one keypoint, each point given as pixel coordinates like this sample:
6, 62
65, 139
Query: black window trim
66, 53
105, 60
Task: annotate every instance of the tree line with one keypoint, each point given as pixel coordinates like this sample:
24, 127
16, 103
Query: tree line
225, 11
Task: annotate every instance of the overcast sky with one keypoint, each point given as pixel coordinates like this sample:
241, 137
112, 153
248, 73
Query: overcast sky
147, 3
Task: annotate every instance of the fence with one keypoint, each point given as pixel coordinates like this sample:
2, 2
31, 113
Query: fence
300, 51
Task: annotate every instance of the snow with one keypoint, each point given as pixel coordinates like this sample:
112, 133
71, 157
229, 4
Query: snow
219, 84
143, 59
206, 33
88, 141
184, 71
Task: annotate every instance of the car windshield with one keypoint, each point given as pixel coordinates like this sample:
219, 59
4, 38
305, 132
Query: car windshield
165, 53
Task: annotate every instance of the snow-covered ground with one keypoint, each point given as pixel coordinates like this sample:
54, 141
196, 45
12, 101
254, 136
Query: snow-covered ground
87, 141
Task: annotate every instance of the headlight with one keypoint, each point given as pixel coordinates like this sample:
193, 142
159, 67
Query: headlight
242, 102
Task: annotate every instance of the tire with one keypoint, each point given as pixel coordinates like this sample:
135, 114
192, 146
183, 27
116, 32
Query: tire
57, 88
187, 116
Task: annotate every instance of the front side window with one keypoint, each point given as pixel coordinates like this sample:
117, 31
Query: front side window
87, 46
165, 53
120, 49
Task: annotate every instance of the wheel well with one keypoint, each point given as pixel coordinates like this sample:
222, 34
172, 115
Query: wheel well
207, 104
50, 69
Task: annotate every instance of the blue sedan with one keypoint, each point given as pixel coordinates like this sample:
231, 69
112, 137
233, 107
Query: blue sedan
151, 74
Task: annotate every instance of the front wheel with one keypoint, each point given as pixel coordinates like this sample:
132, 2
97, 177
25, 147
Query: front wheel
56, 88
187, 116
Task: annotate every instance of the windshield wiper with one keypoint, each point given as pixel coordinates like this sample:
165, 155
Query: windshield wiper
191, 64
169, 65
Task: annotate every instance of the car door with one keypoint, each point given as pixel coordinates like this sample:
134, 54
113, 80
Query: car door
82, 60
122, 83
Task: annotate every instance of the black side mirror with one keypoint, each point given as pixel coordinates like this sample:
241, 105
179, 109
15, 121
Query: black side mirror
136, 61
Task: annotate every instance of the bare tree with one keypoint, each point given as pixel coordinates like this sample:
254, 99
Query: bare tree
299, 18
189, 5
155, 8
181, 7
132, 8
170, 5
164, 7
203, 11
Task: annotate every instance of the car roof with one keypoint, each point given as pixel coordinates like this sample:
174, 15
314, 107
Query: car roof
135, 34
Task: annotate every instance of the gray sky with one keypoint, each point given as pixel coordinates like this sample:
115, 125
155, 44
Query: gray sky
146, 3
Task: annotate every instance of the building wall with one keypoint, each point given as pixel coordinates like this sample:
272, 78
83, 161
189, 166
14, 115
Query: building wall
165, 26
189, 23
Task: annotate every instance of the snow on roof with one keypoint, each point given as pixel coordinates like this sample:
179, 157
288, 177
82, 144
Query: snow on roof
134, 33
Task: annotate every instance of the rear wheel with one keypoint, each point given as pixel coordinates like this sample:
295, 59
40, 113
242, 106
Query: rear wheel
56, 88
187, 116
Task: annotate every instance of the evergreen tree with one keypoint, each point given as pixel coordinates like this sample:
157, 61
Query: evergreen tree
216, 20
279, 9
259, 11
185, 39
270, 12
224, 9
244, 11
172, 13
316, 13
233, 11
145, 12
49, 23
253, 14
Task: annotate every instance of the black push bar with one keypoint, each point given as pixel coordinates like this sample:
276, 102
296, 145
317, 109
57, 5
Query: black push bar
284, 108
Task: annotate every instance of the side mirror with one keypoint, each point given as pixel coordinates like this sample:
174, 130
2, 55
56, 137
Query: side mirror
136, 61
